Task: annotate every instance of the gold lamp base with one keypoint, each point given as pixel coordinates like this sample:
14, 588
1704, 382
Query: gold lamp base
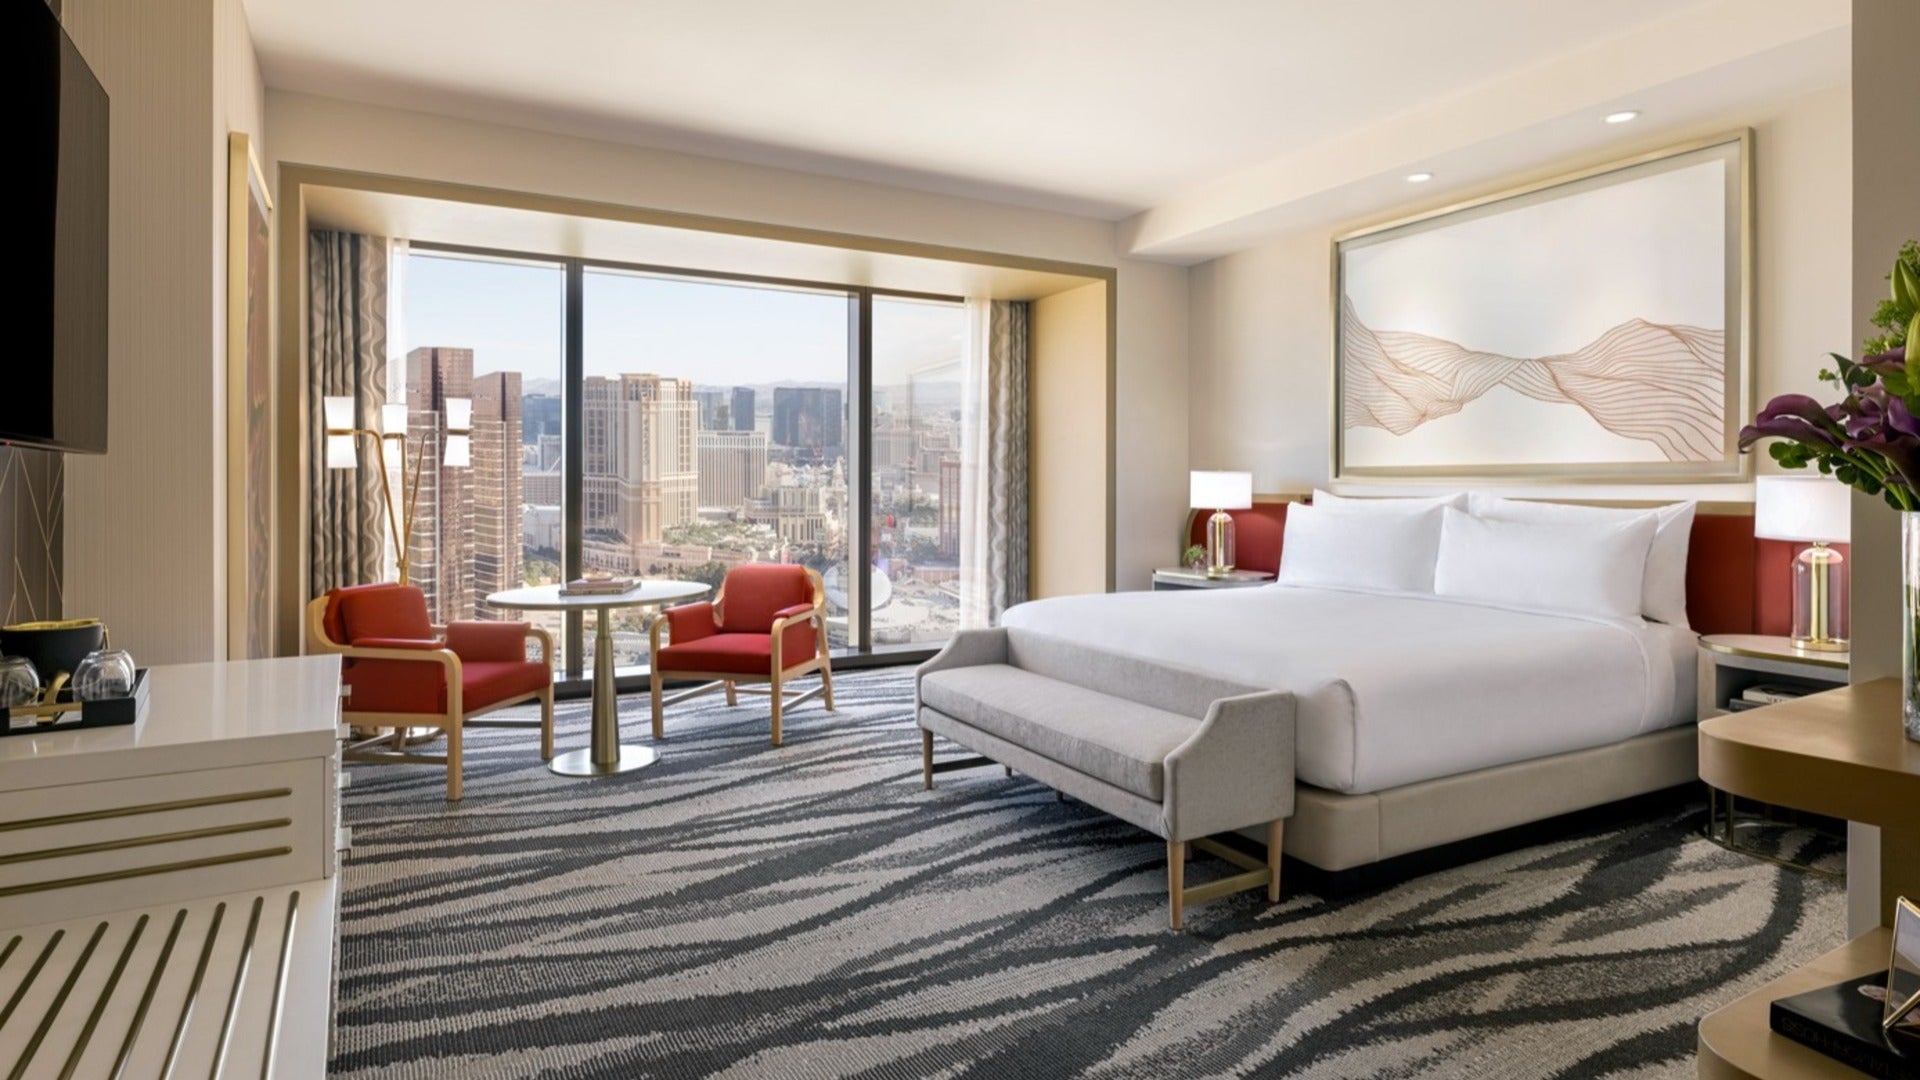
1219, 544
1819, 601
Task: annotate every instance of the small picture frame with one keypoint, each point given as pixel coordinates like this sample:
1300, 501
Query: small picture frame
1902, 1006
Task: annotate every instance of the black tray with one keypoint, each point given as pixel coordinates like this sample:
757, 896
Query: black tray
112, 712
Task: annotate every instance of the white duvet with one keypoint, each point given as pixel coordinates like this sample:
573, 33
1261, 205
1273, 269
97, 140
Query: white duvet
1396, 689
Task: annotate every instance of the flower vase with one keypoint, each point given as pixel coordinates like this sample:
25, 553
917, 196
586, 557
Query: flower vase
1910, 623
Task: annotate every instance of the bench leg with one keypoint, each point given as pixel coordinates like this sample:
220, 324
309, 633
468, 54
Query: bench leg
1176, 882
1276, 833
926, 759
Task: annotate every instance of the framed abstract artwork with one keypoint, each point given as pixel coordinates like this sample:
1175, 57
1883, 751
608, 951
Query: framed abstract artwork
1595, 327
249, 406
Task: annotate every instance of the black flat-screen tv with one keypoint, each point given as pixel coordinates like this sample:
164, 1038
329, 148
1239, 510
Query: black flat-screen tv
53, 382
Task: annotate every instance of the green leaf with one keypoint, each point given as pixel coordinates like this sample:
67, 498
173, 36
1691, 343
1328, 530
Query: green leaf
1898, 383
1912, 338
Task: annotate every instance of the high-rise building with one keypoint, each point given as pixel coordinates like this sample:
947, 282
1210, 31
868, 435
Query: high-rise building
713, 409
808, 418
440, 554
497, 496
540, 418
732, 467
949, 542
740, 409
638, 451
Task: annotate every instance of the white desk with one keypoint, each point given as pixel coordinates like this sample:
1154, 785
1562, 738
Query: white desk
604, 755
222, 801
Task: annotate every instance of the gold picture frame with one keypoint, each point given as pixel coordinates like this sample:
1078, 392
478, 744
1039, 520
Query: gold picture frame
1903, 966
249, 413
1737, 334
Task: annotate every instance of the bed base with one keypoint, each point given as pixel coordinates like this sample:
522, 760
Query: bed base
1344, 843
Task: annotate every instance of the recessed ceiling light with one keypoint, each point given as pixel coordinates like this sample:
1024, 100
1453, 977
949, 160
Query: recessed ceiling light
1623, 116
1419, 177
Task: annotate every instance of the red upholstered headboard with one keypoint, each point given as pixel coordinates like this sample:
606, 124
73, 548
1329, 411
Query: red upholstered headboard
1736, 583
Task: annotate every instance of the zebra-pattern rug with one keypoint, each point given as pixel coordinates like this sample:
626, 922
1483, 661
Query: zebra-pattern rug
744, 911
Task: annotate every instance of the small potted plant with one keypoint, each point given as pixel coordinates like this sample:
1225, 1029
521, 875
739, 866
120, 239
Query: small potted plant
1195, 558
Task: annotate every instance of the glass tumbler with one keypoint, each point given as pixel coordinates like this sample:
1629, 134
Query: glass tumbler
104, 674
19, 682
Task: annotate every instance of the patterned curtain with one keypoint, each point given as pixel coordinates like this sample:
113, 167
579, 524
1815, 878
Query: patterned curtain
347, 356
993, 476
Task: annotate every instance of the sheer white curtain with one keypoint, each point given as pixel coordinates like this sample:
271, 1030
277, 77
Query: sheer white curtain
993, 461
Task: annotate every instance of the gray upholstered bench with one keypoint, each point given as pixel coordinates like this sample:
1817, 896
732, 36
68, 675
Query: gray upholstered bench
1179, 753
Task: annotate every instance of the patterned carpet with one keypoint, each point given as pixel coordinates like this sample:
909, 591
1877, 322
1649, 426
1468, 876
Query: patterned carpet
744, 911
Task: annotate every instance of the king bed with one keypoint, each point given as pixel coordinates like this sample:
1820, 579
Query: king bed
1426, 720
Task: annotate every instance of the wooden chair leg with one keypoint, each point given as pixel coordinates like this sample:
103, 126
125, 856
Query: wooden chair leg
775, 697
546, 724
1176, 881
733, 696
453, 762
826, 680
926, 759
653, 690
1276, 834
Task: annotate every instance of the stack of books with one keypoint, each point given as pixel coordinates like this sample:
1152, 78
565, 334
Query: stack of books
1843, 1022
599, 586
1753, 697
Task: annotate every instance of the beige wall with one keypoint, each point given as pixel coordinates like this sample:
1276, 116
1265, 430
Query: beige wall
1068, 468
1261, 344
1885, 154
144, 523
1151, 383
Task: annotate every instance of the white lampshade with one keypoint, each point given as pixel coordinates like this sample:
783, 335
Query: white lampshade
393, 418
337, 413
1809, 509
341, 453
459, 413
1220, 490
458, 454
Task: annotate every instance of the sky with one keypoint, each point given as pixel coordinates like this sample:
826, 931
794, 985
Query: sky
715, 333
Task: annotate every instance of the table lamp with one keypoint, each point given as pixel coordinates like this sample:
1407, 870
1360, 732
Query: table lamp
1813, 510
1220, 492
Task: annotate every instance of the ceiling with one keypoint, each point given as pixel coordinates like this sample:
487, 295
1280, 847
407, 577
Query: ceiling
1099, 107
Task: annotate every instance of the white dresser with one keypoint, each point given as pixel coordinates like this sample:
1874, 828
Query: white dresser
167, 890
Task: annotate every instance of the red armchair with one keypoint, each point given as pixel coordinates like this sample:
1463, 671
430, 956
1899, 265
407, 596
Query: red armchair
767, 624
400, 671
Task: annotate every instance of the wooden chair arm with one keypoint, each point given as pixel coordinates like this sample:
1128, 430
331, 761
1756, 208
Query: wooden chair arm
545, 639
443, 656
446, 658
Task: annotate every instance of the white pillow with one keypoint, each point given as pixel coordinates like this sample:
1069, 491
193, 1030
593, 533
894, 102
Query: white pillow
1371, 552
1579, 569
1663, 595
1328, 500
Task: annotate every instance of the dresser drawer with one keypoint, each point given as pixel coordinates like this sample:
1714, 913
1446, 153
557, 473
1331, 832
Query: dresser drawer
80, 849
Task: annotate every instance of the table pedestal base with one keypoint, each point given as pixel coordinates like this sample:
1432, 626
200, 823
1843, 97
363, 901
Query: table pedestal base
581, 763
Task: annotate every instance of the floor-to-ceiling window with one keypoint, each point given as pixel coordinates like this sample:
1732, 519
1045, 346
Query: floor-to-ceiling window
916, 462
641, 422
481, 355
715, 428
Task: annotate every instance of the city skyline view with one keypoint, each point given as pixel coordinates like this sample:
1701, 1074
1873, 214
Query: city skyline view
685, 473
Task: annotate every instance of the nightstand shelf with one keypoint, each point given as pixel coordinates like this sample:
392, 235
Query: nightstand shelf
1169, 578
1731, 664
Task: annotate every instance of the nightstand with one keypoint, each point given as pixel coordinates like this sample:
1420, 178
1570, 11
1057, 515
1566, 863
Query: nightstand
1181, 578
1731, 664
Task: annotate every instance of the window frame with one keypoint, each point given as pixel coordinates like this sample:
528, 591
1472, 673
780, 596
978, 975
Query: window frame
860, 652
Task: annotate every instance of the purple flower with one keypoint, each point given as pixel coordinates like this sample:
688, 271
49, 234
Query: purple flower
1797, 417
